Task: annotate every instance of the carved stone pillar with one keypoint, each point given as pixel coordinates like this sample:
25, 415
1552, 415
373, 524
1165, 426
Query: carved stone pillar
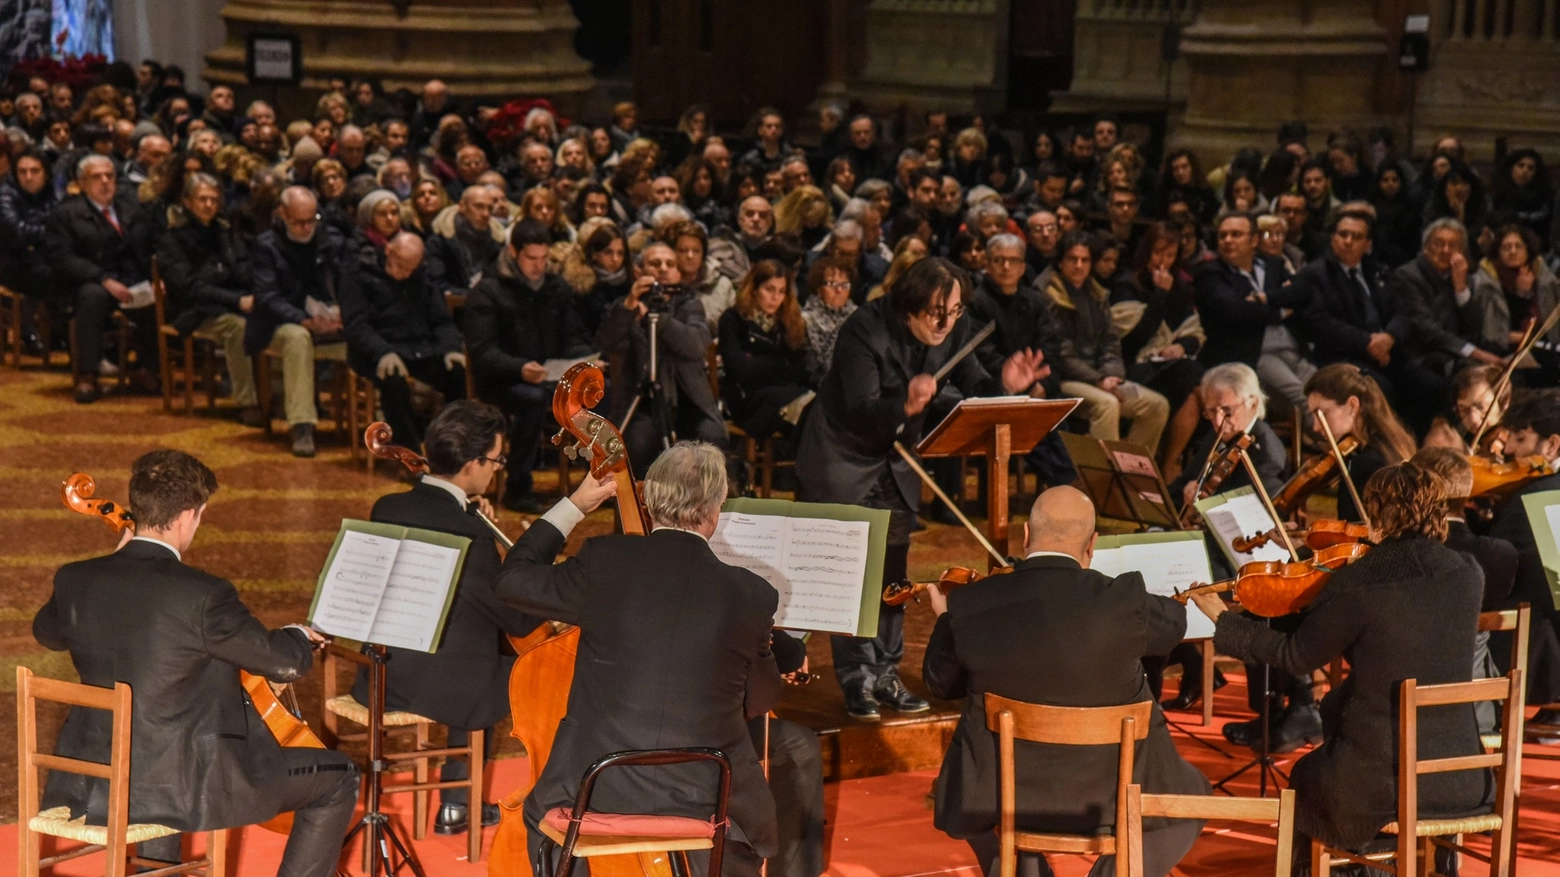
499, 48
947, 54
1119, 58
1255, 64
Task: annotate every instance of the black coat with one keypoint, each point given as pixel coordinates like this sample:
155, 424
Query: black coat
674, 652
1051, 633
204, 271
849, 433
24, 220
1335, 320
1024, 322
508, 324
1496, 557
683, 342
279, 296
756, 360
200, 755
1406, 610
1438, 326
452, 261
1233, 326
84, 248
1267, 453
381, 315
465, 682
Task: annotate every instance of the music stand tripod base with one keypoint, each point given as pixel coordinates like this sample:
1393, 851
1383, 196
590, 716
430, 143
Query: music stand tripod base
1264, 760
385, 851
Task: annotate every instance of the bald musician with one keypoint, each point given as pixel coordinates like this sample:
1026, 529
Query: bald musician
1054, 632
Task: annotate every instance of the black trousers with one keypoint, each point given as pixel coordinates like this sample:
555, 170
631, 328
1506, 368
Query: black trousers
1281, 686
459, 768
1162, 850
95, 307
869, 660
395, 395
644, 439
528, 406
796, 781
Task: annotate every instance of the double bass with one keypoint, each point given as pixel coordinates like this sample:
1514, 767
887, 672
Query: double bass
286, 725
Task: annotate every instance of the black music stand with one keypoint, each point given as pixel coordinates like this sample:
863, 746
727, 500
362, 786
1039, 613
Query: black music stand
1122, 481
385, 850
1264, 760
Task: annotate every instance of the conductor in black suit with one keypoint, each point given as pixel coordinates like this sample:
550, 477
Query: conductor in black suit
203, 758
674, 652
875, 394
1054, 632
464, 684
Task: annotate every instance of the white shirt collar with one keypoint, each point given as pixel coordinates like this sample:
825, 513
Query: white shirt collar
177, 555
448, 487
1035, 554
681, 530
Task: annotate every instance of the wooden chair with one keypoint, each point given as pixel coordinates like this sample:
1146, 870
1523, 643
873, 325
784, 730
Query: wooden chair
196, 347
398, 723
1070, 726
1518, 621
13, 310
334, 395
1280, 810
115, 838
583, 833
1418, 838
120, 329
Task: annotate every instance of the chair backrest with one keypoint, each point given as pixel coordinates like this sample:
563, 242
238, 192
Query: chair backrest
159, 294
31, 689
1518, 620
1280, 810
1507, 763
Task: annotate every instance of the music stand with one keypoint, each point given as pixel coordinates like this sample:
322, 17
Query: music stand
384, 850
995, 428
1122, 480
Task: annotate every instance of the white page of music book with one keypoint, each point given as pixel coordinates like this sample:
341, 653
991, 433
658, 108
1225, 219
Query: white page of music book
354, 584
817, 565
1167, 567
1245, 516
386, 591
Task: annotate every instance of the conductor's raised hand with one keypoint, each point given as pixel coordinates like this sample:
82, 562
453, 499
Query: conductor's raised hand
1022, 369
592, 492
920, 392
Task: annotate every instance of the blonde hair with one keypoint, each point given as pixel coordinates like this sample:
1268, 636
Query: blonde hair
806, 205
686, 486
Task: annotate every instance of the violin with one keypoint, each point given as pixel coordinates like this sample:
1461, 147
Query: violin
1493, 480
1219, 467
1272, 588
900, 593
1314, 474
286, 725
377, 439
1321, 534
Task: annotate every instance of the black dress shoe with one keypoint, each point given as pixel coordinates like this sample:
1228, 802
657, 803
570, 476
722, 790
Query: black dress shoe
1191, 691
893, 694
86, 392
452, 818
1247, 733
860, 703
525, 503
1299, 725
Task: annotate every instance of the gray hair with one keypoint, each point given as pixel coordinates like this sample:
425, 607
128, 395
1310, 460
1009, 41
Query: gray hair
871, 187
847, 230
909, 154
668, 213
201, 178
794, 159
88, 160
1445, 223
1240, 379
982, 210
855, 208
1005, 241
686, 485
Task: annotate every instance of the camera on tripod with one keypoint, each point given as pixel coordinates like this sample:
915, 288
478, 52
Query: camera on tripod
658, 298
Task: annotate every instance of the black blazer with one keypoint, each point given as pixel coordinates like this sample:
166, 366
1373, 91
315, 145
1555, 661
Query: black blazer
1051, 633
465, 682
1335, 320
1233, 326
204, 271
200, 755
849, 433
1408, 609
1496, 557
1267, 453
674, 651
84, 248
1439, 326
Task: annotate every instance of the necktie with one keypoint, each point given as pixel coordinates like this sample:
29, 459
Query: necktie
108, 214
1372, 319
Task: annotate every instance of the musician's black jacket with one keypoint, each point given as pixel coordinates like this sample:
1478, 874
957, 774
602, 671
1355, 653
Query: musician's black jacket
1532, 587
1267, 454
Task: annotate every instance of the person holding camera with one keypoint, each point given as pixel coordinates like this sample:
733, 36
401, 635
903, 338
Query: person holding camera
663, 392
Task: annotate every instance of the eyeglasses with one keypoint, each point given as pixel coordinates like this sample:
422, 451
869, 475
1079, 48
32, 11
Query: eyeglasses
1349, 235
836, 284
1004, 261
1218, 415
499, 461
945, 315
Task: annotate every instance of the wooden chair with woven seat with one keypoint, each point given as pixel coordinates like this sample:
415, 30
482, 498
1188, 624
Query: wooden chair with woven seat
1419, 838
399, 723
1280, 810
335, 395
1068, 726
582, 833
1518, 622
177, 366
116, 838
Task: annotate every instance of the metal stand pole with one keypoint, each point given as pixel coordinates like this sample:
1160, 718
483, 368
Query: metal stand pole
385, 852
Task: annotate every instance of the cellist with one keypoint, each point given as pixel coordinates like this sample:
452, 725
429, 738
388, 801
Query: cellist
203, 757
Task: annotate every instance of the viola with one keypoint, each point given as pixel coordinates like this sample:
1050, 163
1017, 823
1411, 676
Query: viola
900, 593
1314, 474
1493, 480
1321, 534
1272, 588
287, 726
1219, 468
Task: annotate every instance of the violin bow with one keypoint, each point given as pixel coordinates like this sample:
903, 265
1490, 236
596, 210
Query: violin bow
1267, 503
1343, 465
952, 506
1529, 339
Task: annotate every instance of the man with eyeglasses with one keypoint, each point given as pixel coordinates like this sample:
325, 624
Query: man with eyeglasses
1433, 289
464, 683
875, 395
1238, 294
297, 268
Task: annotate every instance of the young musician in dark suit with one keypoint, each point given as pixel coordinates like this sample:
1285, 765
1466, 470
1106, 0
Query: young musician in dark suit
1055, 632
674, 652
203, 758
463, 684
876, 394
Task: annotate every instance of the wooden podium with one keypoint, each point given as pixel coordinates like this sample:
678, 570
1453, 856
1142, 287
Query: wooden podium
996, 428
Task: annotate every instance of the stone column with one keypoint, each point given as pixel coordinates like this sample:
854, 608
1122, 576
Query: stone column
1119, 57
1256, 64
944, 54
489, 48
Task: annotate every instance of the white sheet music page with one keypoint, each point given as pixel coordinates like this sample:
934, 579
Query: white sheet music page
1167, 568
414, 596
1245, 516
816, 565
354, 584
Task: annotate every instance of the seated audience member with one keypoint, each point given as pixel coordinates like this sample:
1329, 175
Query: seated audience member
1406, 610
1237, 294
1354, 405
684, 403
968, 252
1090, 363
517, 318
1043, 234
398, 329
25, 201
763, 349
1054, 632
826, 310
100, 246
1446, 310
689, 241
297, 268
605, 254
1514, 284
1122, 222
205, 273
458, 254
378, 220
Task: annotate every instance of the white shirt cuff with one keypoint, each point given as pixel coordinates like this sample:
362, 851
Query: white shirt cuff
1462, 296
565, 516
1466, 351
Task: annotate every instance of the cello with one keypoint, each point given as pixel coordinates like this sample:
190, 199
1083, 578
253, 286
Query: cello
286, 725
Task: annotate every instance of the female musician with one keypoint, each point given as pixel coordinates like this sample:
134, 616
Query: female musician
1354, 405
1406, 610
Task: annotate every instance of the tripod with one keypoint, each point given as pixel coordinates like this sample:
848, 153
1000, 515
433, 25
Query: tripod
650, 392
385, 851
1264, 760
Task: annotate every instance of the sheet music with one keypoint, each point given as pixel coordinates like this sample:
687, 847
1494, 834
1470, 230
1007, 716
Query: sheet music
1167, 567
818, 566
557, 367
354, 584
1244, 516
414, 594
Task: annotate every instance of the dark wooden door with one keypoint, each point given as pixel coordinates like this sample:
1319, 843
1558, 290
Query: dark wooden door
1040, 51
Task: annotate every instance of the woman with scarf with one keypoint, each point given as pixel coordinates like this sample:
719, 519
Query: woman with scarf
830, 279
763, 346
1515, 285
378, 220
